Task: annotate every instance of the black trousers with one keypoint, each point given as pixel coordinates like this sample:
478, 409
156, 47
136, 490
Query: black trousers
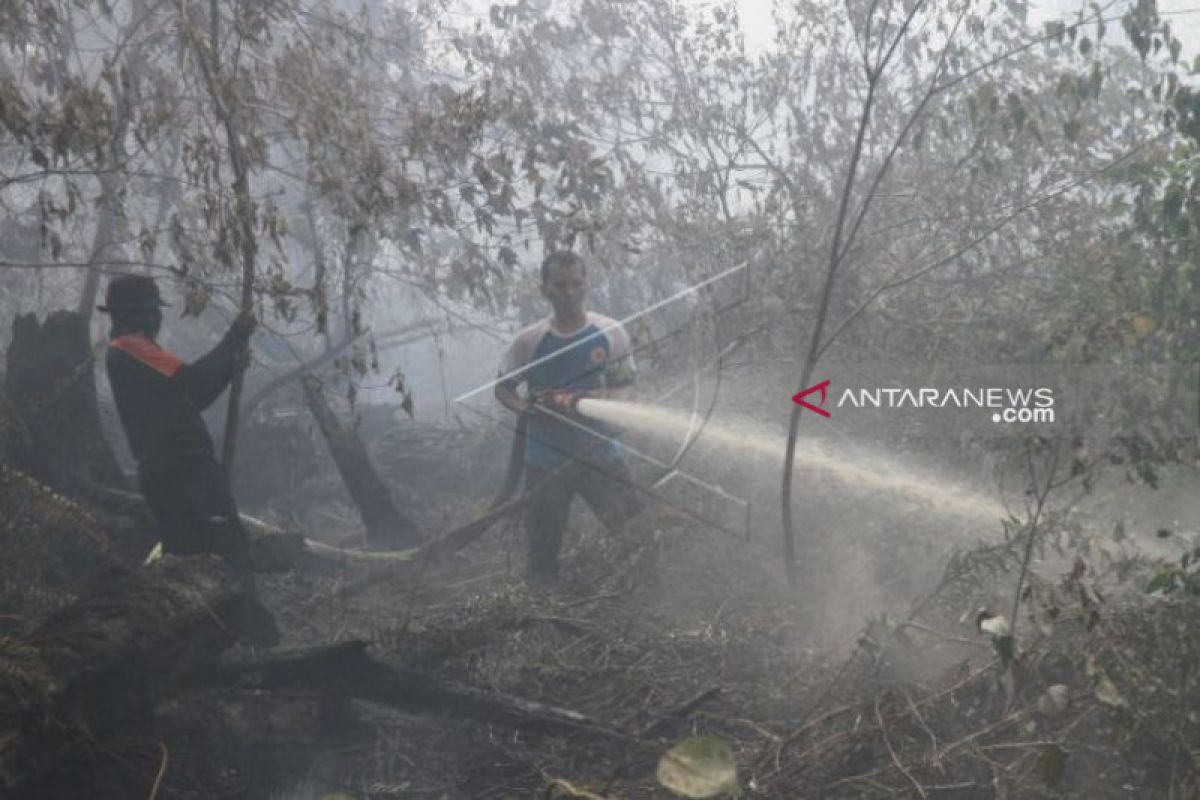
196, 511
606, 487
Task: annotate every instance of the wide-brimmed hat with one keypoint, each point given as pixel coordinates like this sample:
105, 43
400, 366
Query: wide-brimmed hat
131, 293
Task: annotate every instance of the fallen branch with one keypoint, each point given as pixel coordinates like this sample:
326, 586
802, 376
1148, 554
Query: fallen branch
680, 711
347, 669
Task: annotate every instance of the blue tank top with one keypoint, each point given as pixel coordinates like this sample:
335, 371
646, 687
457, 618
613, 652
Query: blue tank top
594, 357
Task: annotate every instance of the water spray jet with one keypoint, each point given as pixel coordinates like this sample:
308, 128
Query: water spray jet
657, 421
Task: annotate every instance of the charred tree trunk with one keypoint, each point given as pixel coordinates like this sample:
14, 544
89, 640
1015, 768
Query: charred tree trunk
347, 669
14, 437
50, 383
97, 666
386, 526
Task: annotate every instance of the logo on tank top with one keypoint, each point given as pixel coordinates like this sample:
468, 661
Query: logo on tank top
598, 355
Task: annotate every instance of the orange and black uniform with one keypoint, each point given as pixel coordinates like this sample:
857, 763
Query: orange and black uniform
159, 399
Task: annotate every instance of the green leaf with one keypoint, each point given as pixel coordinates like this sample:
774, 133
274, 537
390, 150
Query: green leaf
1163, 581
700, 767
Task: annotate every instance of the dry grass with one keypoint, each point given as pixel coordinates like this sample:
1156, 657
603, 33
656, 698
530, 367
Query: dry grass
666, 631
667, 619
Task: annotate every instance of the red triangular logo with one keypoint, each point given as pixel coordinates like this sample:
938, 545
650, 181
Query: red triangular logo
821, 387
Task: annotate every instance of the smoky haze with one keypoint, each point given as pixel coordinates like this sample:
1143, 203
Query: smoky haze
595, 398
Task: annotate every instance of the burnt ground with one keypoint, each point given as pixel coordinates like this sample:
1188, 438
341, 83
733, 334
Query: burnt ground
869, 678
880, 686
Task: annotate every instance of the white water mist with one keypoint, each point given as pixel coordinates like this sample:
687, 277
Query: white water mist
879, 474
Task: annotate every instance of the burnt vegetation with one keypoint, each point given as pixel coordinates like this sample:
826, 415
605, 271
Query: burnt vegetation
930, 185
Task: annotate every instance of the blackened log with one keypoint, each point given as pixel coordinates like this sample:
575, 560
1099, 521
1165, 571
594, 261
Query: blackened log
418, 691
50, 382
304, 667
348, 669
386, 525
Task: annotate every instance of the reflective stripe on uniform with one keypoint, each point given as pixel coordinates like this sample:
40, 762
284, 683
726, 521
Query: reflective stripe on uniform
146, 351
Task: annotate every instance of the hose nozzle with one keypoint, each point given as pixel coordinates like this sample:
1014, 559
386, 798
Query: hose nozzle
562, 401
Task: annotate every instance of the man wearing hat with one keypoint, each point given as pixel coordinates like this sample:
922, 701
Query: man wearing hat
159, 399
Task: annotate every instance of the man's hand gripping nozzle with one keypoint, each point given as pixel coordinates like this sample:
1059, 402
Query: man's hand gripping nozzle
559, 401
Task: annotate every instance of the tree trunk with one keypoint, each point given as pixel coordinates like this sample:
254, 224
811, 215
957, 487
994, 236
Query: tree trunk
223, 92
111, 227
106, 245
97, 666
386, 526
50, 382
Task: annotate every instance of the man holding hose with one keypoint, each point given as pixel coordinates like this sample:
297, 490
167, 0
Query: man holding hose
571, 355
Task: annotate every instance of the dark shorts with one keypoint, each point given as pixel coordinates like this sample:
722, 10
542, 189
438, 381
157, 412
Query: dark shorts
606, 487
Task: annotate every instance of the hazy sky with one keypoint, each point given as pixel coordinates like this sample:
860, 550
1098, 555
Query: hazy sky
1184, 15
759, 28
